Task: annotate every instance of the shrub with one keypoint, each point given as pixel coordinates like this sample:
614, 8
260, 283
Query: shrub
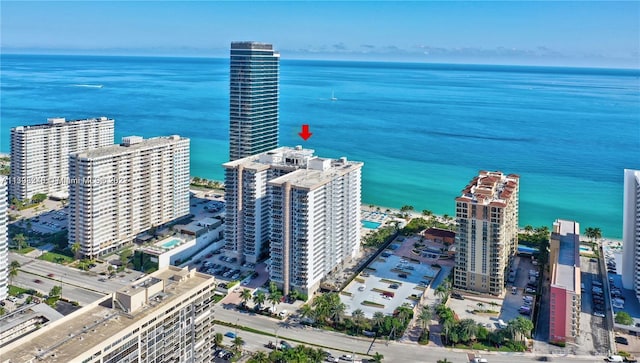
424, 337
623, 318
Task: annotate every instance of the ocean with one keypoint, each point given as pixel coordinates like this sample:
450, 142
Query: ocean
422, 130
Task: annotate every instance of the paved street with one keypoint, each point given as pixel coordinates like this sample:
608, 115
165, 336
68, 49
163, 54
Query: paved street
342, 344
69, 275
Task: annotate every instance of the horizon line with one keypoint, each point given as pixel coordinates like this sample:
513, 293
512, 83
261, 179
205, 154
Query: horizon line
297, 58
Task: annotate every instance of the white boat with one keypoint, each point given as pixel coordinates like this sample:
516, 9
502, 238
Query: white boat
333, 97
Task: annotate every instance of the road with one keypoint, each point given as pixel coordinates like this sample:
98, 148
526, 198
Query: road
69, 275
342, 344
72, 293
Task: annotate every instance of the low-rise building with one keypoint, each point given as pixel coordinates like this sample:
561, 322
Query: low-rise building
194, 237
165, 317
565, 296
440, 235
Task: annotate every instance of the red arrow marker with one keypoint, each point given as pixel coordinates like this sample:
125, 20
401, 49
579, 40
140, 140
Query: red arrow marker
305, 134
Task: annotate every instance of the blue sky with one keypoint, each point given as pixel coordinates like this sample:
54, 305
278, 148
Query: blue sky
586, 33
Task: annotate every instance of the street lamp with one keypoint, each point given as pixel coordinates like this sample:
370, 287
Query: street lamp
276, 331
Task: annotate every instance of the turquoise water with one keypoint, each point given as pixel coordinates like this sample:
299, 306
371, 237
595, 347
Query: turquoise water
370, 225
584, 249
527, 249
170, 244
423, 130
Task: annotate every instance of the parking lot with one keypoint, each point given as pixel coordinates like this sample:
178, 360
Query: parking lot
595, 335
387, 283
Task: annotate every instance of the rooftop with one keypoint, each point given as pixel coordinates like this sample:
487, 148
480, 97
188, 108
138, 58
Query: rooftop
568, 235
251, 45
325, 170
60, 122
290, 157
100, 322
490, 188
130, 145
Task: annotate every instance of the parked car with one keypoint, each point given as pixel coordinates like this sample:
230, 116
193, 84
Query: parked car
598, 313
622, 340
456, 295
229, 334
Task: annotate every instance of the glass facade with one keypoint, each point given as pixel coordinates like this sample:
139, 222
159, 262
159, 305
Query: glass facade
253, 108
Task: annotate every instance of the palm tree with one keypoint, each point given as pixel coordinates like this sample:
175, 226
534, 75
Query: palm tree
467, 329
259, 357
358, 316
377, 357
378, 320
520, 326
13, 270
306, 311
259, 298
245, 295
315, 355
425, 317
237, 344
217, 339
443, 360
336, 311
75, 248
480, 307
427, 213
20, 240
528, 228
275, 298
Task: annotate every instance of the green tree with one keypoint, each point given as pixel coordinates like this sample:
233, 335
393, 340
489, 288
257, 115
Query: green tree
377, 357
56, 291
467, 329
259, 357
273, 287
20, 240
195, 180
245, 295
358, 317
444, 360
528, 228
259, 298
519, 328
275, 298
14, 266
378, 320
623, 318
424, 317
217, 339
124, 256
237, 344
38, 198
427, 213
75, 248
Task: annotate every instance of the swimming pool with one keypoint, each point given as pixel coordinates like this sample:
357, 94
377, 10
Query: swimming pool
170, 244
584, 249
527, 249
369, 224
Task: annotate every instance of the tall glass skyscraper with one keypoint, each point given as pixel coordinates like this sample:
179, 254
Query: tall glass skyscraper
253, 108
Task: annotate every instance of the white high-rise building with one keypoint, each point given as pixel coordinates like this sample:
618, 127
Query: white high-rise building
40, 153
248, 199
166, 317
4, 243
631, 231
315, 216
119, 191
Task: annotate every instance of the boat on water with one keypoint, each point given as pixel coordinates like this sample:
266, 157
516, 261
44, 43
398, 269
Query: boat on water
333, 97
89, 85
